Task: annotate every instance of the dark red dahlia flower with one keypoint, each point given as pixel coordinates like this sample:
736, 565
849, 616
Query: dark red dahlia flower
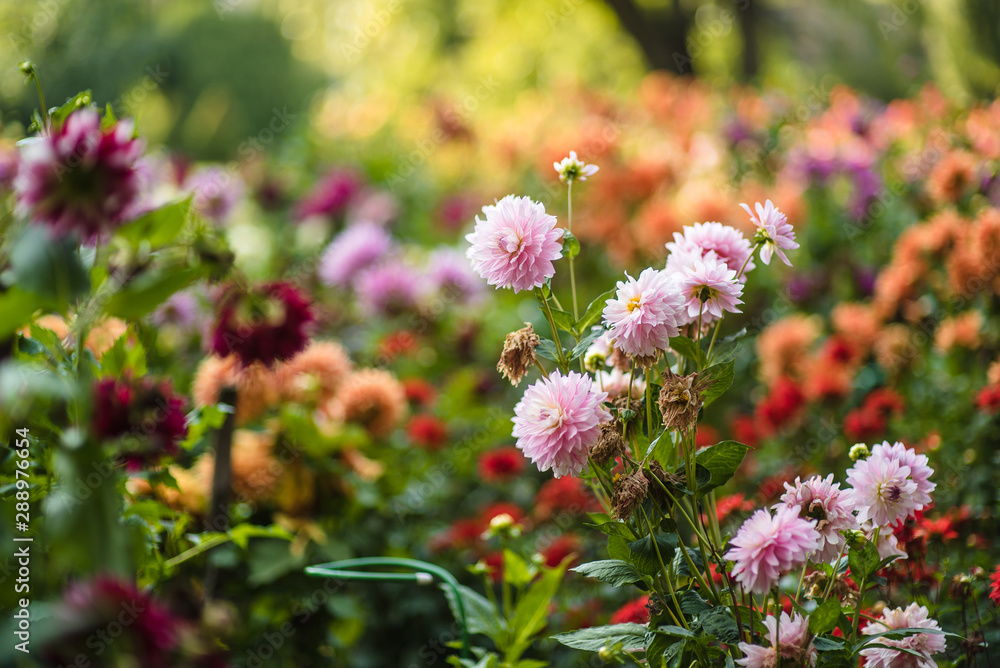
264, 324
426, 431
80, 178
501, 464
146, 415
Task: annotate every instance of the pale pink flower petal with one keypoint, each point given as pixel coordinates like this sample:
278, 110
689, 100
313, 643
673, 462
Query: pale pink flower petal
643, 314
822, 500
793, 634
881, 654
774, 230
767, 546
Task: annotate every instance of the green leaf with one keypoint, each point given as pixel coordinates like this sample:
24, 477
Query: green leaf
672, 631
242, 533
691, 602
722, 460
614, 528
596, 637
480, 615
16, 309
584, 344
49, 268
594, 311
122, 357
58, 114
644, 555
547, 349
824, 644
148, 291
824, 618
862, 560
726, 348
721, 377
613, 571
686, 348
532, 611
681, 564
618, 548
158, 227
717, 622
571, 245
563, 320
515, 570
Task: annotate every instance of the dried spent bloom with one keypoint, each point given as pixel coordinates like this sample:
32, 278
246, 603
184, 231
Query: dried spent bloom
610, 444
889, 485
372, 398
573, 169
881, 653
644, 313
256, 386
146, 416
315, 374
356, 248
767, 546
709, 288
773, 232
518, 354
515, 245
630, 491
820, 499
789, 635
728, 244
680, 400
80, 179
263, 324
558, 420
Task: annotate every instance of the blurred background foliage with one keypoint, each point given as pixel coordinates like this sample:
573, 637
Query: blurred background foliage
209, 78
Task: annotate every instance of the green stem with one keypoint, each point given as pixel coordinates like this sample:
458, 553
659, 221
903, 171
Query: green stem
555, 334
666, 573
572, 275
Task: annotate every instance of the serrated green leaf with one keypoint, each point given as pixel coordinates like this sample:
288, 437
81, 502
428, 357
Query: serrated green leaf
824, 618
594, 311
584, 344
692, 603
722, 460
531, 612
563, 320
613, 571
721, 379
687, 349
863, 560
547, 349
480, 615
824, 644
718, 622
596, 637
515, 569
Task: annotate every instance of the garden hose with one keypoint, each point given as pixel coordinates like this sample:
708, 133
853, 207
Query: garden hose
424, 574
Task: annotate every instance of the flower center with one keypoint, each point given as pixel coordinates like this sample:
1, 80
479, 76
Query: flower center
634, 303
510, 244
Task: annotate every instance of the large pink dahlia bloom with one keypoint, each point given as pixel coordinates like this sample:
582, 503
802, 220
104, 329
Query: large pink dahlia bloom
80, 179
822, 500
793, 634
708, 288
767, 546
515, 245
558, 420
643, 314
890, 485
881, 654
728, 244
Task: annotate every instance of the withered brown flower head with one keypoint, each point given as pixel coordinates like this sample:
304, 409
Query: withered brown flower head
680, 400
630, 491
658, 478
518, 354
609, 445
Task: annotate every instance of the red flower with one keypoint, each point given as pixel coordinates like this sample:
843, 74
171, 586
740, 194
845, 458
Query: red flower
459, 536
501, 464
734, 503
988, 399
397, 343
567, 495
427, 431
706, 436
872, 418
264, 324
501, 508
145, 411
995, 586
780, 406
634, 612
744, 430
560, 548
418, 391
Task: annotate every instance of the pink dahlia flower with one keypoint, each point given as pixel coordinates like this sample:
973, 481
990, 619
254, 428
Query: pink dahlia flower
331, 196
616, 383
515, 245
216, 192
821, 500
356, 248
144, 414
790, 634
728, 244
558, 420
920, 472
389, 289
766, 546
448, 273
644, 313
80, 179
709, 288
886, 543
881, 653
883, 488
773, 230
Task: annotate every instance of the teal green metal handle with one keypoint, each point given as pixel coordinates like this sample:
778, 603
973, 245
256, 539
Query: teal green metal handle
345, 570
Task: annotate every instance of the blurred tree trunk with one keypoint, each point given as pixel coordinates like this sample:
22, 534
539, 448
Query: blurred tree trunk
748, 29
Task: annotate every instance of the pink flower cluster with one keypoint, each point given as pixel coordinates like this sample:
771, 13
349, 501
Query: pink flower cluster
891, 484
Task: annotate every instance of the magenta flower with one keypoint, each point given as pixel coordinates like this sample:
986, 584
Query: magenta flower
822, 500
709, 288
216, 191
885, 489
558, 420
144, 415
449, 273
80, 179
773, 231
515, 245
793, 634
356, 248
264, 324
644, 313
331, 196
728, 244
389, 289
881, 653
767, 546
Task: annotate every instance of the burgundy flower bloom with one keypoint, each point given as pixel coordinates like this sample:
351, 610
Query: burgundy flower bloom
80, 179
264, 324
145, 411
330, 196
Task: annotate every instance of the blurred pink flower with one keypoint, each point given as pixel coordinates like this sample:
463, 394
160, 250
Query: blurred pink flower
216, 191
356, 248
767, 546
389, 289
80, 179
643, 314
773, 230
558, 420
793, 634
728, 244
880, 654
515, 245
449, 273
331, 196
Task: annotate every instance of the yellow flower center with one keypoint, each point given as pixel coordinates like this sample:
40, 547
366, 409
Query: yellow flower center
634, 303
